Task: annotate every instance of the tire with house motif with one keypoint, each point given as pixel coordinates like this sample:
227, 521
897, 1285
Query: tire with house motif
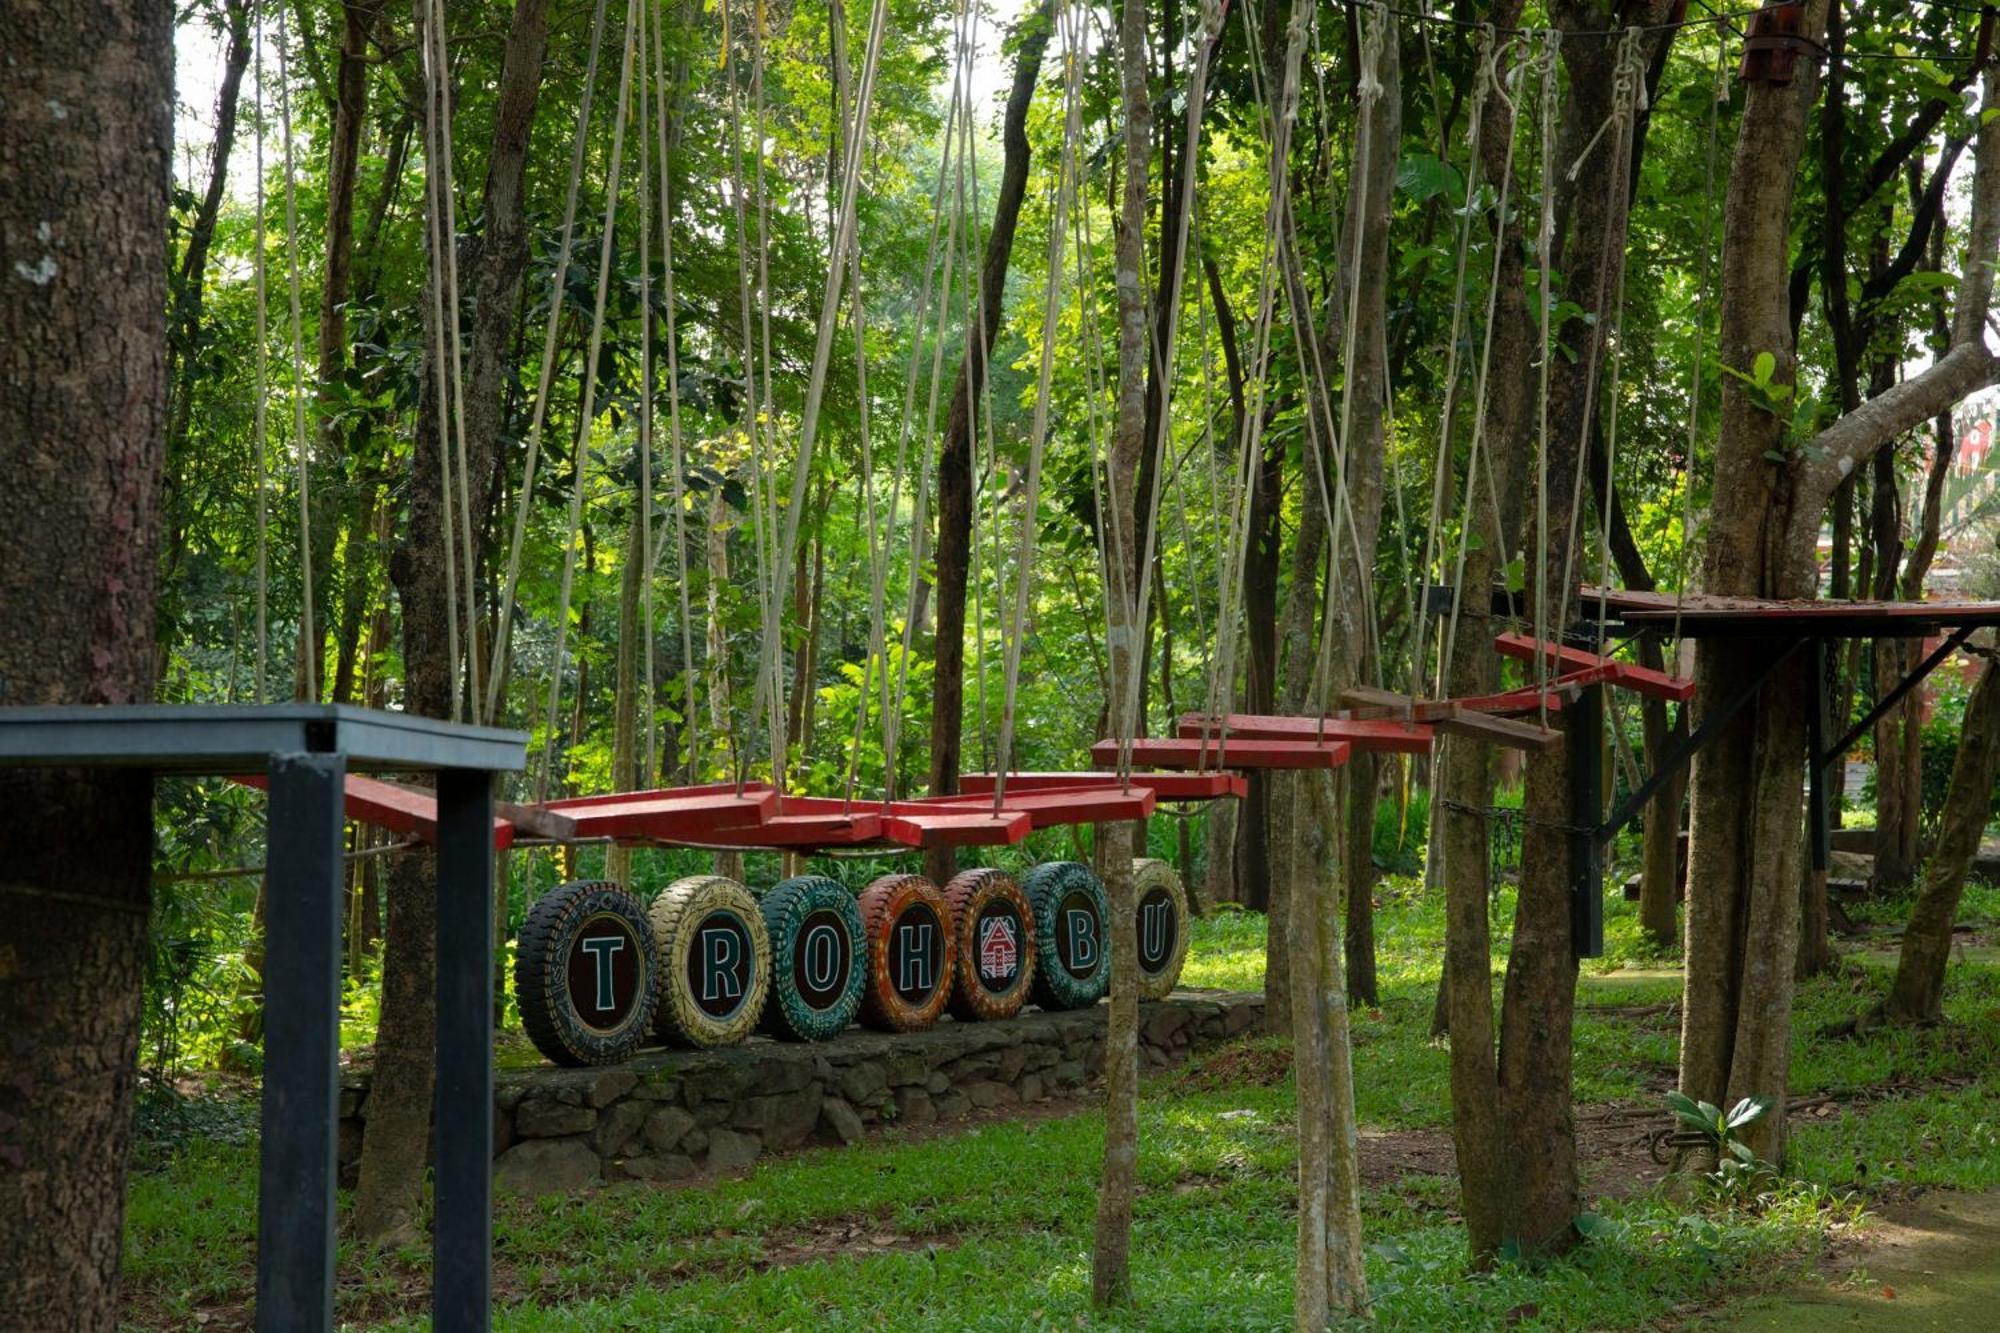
911, 951
819, 958
1071, 917
1163, 926
713, 957
584, 974
995, 937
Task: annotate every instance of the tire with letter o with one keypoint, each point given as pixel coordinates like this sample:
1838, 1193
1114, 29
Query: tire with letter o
994, 931
819, 960
1163, 930
583, 974
907, 924
1071, 924
714, 961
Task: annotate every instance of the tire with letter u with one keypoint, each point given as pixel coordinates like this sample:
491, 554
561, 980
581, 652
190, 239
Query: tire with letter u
1071, 920
583, 974
995, 938
819, 959
1163, 929
911, 952
714, 960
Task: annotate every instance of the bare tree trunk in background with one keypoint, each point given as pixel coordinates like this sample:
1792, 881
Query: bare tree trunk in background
85, 148
388, 1198
953, 554
1917, 994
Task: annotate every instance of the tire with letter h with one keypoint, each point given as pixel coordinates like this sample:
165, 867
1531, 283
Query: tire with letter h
912, 953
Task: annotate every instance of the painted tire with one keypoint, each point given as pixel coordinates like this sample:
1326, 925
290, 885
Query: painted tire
583, 974
911, 952
713, 960
819, 958
1163, 926
994, 934
1071, 921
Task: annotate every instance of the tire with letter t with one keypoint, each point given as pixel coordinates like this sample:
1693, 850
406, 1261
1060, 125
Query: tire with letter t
583, 974
911, 953
819, 959
1071, 921
714, 961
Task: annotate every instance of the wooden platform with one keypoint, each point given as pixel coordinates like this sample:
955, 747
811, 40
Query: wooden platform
1701, 615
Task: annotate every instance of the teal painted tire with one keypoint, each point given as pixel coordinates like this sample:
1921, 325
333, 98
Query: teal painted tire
1163, 926
819, 958
584, 974
713, 958
1072, 924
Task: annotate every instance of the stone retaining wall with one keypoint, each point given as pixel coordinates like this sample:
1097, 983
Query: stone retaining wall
671, 1115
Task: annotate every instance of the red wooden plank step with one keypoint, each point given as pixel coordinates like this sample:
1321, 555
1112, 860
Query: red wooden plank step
1640, 680
1156, 752
1094, 803
1384, 735
1166, 786
699, 814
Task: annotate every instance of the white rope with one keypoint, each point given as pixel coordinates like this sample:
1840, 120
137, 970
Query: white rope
557, 275
308, 637
263, 395
441, 366
645, 517
588, 414
1545, 238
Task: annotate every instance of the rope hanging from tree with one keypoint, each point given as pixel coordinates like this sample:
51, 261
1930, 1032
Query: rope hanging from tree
308, 660
263, 394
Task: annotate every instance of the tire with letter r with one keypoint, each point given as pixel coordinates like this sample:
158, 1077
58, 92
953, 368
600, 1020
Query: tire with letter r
995, 932
1163, 926
1071, 921
714, 961
819, 958
584, 974
911, 953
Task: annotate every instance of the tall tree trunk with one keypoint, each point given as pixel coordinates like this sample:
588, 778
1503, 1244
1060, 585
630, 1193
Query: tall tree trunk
953, 554
1917, 994
84, 160
387, 1199
1111, 1254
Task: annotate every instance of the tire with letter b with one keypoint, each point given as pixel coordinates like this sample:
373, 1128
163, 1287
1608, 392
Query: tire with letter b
819, 959
714, 960
1163, 926
995, 936
583, 974
1072, 917
911, 953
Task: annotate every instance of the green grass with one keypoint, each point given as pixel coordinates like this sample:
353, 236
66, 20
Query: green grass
990, 1227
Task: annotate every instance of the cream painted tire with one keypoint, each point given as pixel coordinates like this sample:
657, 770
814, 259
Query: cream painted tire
1163, 926
712, 955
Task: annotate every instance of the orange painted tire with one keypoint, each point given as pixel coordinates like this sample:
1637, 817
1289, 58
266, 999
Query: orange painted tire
911, 953
994, 933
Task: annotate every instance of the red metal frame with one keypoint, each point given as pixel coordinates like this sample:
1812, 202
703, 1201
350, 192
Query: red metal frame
1176, 752
1640, 680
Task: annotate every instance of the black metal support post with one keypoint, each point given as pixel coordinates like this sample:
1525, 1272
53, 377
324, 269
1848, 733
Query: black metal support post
1817, 827
462, 1268
1890, 700
1585, 724
301, 1044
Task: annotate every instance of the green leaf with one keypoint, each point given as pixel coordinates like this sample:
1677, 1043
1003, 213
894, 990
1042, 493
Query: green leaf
1747, 1112
1762, 368
1422, 176
1596, 1226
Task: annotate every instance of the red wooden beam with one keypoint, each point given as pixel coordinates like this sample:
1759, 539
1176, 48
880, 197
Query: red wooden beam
1092, 803
1640, 680
701, 814
953, 826
1156, 752
1166, 786
1382, 735
408, 811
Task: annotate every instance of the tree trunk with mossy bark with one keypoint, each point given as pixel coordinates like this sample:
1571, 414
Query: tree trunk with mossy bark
84, 160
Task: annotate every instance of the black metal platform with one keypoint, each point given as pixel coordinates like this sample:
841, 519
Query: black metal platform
307, 750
